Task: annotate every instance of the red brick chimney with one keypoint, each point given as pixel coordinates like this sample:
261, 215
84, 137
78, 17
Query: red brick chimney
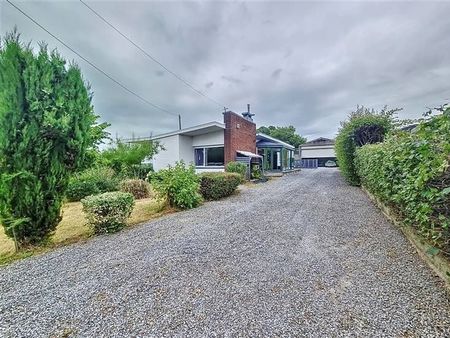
240, 134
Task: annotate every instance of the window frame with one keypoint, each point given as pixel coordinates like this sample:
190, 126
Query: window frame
205, 157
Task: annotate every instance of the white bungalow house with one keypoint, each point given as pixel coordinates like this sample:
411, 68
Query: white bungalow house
317, 153
212, 145
202, 145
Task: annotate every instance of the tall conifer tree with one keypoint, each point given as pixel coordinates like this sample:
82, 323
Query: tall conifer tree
47, 124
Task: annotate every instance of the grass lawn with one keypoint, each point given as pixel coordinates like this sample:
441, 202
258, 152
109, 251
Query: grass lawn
73, 228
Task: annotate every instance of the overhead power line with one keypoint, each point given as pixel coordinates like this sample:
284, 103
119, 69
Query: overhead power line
94, 65
152, 57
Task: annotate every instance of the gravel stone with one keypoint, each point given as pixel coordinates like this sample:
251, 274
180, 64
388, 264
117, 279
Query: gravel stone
302, 255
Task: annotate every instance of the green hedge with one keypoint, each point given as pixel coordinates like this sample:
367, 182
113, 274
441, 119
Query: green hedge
364, 126
108, 212
410, 172
214, 186
91, 182
237, 167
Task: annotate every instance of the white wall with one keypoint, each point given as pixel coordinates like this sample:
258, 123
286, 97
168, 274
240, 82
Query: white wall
317, 152
208, 170
168, 156
181, 147
210, 139
186, 152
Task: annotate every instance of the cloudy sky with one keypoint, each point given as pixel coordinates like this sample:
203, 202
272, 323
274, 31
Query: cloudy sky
297, 63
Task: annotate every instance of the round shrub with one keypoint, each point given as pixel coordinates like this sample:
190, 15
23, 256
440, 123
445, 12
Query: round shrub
138, 188
214, 186
178, 185
237, 167
91, 182
108, 212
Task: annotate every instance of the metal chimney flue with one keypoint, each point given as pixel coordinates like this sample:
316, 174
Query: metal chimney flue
247, 115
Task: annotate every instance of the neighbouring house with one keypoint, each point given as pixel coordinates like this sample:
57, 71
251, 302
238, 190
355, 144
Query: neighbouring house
212, 145
317, 153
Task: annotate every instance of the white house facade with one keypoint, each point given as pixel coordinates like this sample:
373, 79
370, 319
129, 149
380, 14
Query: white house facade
202, 145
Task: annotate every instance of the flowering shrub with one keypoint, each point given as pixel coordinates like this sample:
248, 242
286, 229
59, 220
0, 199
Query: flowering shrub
108, 212
178, 185
410, 171
214, 186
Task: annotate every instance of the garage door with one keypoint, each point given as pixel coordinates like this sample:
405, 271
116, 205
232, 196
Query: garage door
309, 163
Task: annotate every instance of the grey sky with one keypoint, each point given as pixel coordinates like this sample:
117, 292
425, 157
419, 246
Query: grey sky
300, 63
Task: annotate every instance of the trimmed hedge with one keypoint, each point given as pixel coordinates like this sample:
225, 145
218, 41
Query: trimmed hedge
91, 182
214, 186
364, 126
238, 168
138, 188
410, 172
178, 185
108, 212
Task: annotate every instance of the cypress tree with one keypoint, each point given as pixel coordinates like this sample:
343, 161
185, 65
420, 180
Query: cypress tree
47, 124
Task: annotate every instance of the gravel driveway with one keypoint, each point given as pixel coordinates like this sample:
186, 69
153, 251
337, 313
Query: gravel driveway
302, 255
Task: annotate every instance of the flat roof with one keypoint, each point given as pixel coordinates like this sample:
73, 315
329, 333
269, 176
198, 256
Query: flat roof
273, 139
200, 129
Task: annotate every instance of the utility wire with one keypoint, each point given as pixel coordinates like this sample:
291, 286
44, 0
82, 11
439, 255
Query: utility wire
150, 56
93, 65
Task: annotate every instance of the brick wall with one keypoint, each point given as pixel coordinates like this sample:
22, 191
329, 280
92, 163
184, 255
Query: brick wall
240, 134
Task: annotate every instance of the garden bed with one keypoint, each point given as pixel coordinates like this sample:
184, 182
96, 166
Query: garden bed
73, 228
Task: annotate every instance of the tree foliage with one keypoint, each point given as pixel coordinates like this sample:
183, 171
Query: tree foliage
410, 171
287, 134
126, 158
47, 125
363, 126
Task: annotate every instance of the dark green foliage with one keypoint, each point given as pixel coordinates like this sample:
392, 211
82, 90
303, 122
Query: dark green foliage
256, 173
238, 168
410, 172
138, 188
126, 158
108, 212
214, 186
46, 128
178, 185
286, 134
364, 126
91, 182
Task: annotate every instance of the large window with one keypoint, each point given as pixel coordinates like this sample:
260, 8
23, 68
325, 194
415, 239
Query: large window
210, 157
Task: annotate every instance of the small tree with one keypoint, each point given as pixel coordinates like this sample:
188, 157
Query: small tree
363, 126
286, 134
47, 125
125, 157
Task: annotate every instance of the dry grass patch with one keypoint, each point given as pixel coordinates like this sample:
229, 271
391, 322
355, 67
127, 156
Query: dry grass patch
73, 228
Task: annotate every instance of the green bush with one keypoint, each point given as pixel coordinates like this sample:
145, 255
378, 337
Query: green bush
178, 185
138, 188
238, 168
410, 172
91, 182
256, 172
214, 186
108, 212
363, 126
